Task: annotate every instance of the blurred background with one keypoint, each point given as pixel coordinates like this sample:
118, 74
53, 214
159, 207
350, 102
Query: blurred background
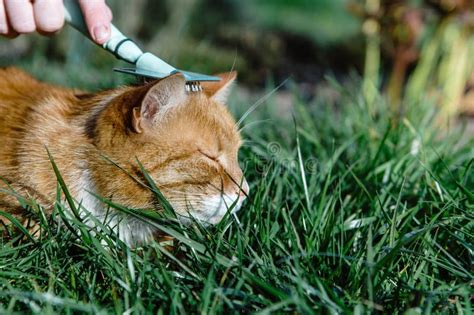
406, 49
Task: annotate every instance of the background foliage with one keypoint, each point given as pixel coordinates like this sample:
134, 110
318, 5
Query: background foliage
362, 199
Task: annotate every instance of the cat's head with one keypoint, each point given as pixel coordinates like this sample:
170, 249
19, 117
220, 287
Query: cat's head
187, 141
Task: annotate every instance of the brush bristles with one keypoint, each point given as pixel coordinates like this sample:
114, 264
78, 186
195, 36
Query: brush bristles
190, 87
193, 86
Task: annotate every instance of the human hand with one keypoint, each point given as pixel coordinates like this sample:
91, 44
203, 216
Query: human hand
47, 17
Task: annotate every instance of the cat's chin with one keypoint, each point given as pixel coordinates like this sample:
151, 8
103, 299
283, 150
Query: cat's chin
213, 209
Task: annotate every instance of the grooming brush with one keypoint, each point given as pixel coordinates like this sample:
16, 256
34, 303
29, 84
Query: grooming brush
146, 65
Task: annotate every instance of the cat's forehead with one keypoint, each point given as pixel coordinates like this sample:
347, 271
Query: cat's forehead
203, 120
208, 111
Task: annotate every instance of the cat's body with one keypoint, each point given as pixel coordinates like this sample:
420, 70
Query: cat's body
188, 143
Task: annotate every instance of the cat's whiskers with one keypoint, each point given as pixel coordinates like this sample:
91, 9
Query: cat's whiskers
183, 193
253, 123
95, 139
259, 102
180, 191
219, 190
234, 63
248, 143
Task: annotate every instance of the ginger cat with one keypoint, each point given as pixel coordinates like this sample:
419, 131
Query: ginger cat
187, 141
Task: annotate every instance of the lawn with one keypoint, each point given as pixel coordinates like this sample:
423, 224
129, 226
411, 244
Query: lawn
347, 213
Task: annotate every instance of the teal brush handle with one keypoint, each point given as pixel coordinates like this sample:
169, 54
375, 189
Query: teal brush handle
118, 44
146, 64
128, 51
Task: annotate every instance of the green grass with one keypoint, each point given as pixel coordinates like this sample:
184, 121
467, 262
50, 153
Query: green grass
347, 213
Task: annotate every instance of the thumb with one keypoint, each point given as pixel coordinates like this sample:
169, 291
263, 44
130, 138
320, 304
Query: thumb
98, 17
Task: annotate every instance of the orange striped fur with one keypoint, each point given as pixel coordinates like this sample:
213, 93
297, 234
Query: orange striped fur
188, 142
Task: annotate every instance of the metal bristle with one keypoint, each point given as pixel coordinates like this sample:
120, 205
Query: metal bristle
193, 86
190, 87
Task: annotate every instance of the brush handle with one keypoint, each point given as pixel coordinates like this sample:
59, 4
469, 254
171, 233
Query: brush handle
118, 44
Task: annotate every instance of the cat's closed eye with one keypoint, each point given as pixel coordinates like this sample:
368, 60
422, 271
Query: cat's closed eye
209, 156
187, 142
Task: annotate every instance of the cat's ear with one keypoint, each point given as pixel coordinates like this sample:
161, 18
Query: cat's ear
160, 98
220, 90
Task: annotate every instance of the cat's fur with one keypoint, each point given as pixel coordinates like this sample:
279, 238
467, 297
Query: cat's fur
188, 142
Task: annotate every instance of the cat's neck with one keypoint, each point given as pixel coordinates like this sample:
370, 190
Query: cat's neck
89, 166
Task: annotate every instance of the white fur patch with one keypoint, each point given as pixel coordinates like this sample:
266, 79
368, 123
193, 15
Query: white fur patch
214, 208
85, 196
133, 231
130, 230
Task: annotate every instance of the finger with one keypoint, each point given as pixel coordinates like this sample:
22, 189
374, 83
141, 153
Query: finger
20, 15
49, 15
5, 29
98, 18
3, 19
11, 35
109, 14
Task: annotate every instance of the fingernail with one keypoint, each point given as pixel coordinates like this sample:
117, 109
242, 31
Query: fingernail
101, 33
